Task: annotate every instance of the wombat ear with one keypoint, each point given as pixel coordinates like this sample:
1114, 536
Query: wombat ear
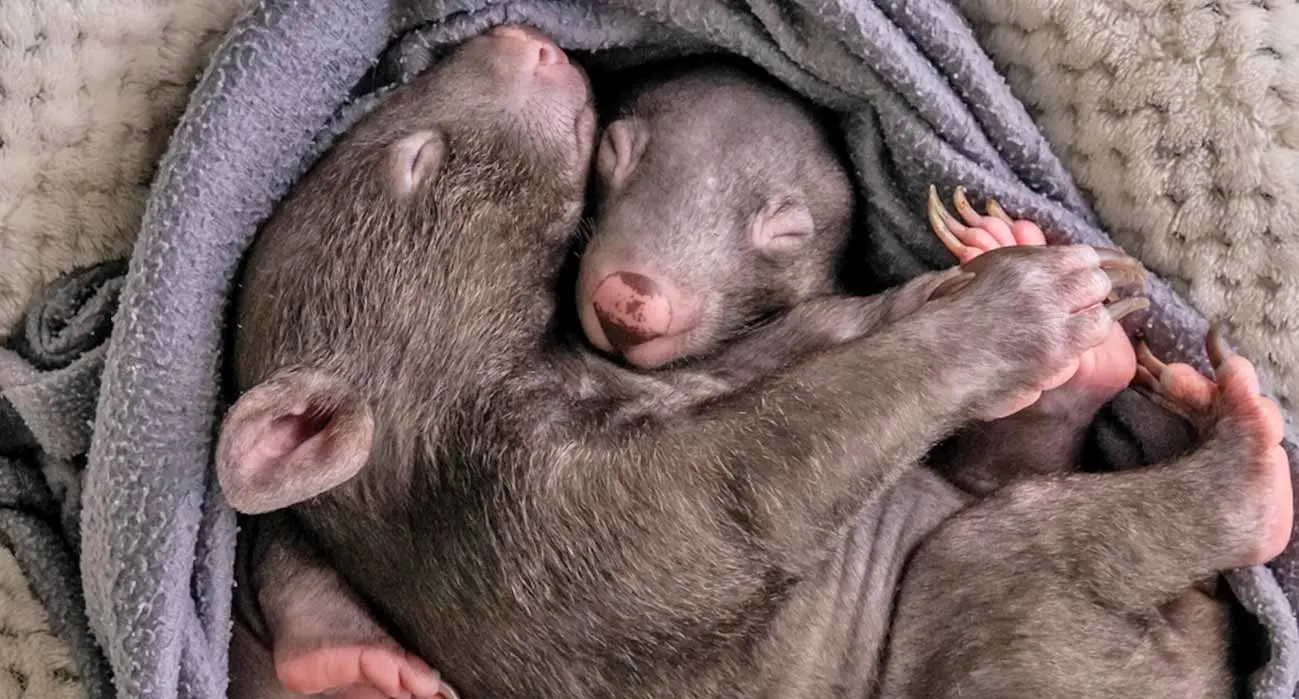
416, 159
784, 224
621, 147
291, 438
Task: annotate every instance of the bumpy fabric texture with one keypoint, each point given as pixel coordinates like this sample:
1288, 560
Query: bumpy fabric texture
89, 92
922, 102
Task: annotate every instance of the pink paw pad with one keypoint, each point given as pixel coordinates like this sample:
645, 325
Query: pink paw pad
361, 672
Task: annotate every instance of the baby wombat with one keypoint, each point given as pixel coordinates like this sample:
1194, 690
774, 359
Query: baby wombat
722, 209
485, 156
720, 199
672, 204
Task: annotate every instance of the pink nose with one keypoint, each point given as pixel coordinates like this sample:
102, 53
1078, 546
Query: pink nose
548, 54
631, 309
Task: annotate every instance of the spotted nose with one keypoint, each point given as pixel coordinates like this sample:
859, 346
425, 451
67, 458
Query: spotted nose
632, 310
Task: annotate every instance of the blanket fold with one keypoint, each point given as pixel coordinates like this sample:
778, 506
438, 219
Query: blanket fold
921, 104
49, 384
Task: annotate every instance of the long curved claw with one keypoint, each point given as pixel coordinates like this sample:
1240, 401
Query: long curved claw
1123, 269
1126, 276
995, 211
1147, 360
964, 209
945, 225
1128, 306
1215, 343
1146, 380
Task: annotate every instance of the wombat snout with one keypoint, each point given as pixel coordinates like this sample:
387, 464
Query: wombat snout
546, 52
632, 309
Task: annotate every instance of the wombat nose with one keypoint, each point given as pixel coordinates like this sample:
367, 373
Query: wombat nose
548, 54
632, 309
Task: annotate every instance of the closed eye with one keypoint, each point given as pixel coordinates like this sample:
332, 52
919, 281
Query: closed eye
784, 225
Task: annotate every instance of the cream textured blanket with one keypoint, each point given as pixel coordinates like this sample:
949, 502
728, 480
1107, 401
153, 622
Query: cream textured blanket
1179, 117
89, 93
34, 663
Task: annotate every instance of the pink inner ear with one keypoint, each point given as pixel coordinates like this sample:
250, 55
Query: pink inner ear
291, 439
288, 432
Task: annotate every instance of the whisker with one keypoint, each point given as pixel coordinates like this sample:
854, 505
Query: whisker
582, 234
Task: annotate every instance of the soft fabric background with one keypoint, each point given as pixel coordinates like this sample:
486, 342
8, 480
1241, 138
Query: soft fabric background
1178, 117
34, 663
89, 93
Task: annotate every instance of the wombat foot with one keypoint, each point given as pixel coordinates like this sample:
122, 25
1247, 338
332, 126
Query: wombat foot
1244, 430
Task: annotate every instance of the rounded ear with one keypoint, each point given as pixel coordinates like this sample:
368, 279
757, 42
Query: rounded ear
298, 434
784, 224
416, 159
621, 147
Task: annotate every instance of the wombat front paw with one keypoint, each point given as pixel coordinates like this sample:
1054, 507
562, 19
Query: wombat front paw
1028, 314
1103, 371
981, 233
1244, 430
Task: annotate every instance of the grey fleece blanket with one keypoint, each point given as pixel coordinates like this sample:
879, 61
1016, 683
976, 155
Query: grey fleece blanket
922, 104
